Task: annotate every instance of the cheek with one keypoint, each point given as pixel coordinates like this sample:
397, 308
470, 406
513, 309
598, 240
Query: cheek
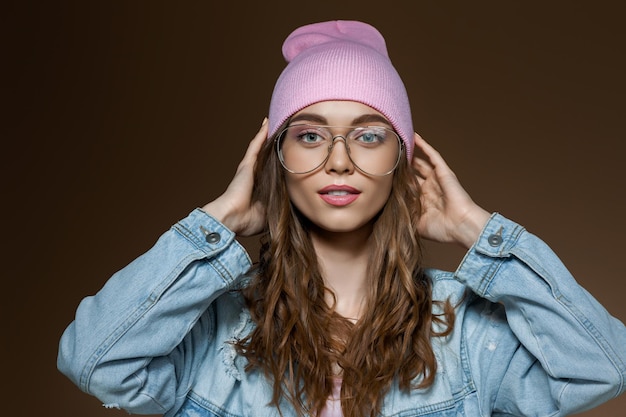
384, 190
295, 189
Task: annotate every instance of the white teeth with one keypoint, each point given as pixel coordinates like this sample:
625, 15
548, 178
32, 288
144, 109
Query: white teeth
337, 192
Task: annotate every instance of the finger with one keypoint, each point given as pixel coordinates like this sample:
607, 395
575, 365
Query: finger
440, 168
255, 145
421, 162
426, 149
434, 157
422, 167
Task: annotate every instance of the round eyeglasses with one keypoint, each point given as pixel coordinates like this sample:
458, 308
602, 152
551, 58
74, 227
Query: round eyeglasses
373, 150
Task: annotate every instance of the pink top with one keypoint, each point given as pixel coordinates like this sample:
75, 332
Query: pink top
333, 404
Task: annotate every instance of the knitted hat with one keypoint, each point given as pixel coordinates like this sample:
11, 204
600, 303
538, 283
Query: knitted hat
340, 60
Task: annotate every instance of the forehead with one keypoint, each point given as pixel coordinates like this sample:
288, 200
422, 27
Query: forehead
339, 113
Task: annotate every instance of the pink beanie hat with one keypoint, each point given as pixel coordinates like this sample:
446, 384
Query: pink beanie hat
340, 60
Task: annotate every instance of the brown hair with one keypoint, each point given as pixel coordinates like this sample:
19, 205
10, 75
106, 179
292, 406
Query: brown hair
299, 340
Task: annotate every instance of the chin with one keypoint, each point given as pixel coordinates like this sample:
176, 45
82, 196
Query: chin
342, 225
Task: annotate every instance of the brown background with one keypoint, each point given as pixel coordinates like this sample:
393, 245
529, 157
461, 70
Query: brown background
124, 116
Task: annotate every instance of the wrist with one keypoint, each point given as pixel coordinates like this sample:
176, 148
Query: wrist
471, 227
221, 213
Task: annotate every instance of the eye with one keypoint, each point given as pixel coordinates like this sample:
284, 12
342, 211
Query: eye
310, 137
370, 135
307, 134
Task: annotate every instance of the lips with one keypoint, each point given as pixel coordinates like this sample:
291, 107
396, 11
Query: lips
339, 195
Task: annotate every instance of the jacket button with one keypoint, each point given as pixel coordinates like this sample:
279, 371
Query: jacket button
495, 240
213, 237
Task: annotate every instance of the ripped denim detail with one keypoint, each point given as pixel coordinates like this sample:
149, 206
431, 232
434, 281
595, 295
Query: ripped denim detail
235, 363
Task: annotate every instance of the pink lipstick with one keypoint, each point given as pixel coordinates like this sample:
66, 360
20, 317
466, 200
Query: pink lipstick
339, 195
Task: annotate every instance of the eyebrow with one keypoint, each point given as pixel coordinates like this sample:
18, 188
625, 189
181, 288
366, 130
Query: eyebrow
316, 118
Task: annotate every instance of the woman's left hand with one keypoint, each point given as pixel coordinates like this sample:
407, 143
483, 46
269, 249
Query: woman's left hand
449, 215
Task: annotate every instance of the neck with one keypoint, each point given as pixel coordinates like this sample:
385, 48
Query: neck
343, 259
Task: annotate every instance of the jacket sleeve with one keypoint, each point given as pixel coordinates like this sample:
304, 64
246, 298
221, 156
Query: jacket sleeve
569, 353
135, 344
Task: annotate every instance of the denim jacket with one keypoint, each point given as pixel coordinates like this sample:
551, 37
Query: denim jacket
528, 340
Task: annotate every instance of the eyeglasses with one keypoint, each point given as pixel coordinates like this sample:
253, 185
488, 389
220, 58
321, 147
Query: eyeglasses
374, 150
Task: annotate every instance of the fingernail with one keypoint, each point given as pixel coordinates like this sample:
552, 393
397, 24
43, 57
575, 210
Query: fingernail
264, 121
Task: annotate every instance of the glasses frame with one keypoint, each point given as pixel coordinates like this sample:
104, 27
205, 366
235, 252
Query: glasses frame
278, 138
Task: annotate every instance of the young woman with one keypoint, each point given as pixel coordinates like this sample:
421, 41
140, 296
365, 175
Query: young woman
339, 316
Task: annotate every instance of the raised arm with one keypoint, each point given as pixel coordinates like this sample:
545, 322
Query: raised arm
137, 343
538, 343
547, 347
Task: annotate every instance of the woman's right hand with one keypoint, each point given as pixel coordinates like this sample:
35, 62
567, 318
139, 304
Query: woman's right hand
234, 208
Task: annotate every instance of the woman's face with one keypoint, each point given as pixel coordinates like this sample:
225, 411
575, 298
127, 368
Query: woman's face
337, 197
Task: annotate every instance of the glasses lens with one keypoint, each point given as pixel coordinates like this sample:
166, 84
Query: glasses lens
374, 150
303, 148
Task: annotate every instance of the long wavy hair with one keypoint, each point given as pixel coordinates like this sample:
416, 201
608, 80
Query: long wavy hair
299, 341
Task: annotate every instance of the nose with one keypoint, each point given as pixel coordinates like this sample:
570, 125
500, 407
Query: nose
338, 158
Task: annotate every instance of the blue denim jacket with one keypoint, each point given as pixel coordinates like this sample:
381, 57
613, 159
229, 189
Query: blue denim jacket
528, 340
